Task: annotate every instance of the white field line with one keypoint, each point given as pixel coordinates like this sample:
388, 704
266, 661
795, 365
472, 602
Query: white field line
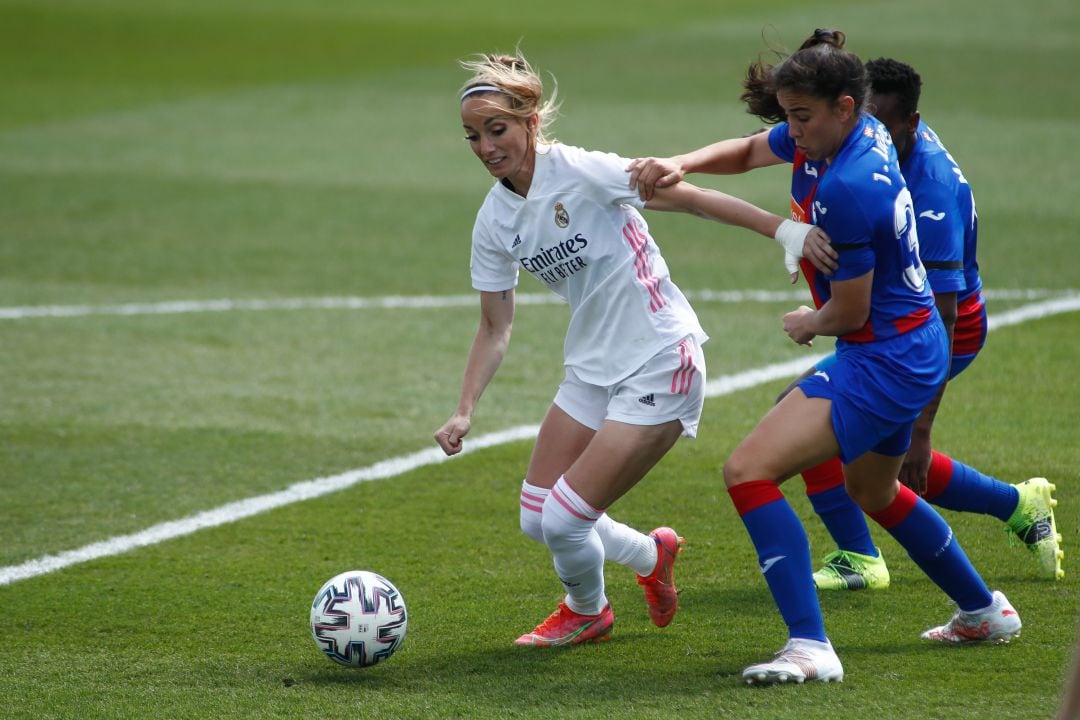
415, 302
318, 487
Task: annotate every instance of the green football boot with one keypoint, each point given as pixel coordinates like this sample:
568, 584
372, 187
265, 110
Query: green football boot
845, 570
1033, 522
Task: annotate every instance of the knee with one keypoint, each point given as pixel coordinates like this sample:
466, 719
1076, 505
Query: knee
736, 470
531, 524
858, 494
561, 529
531, 506
553, 533
869, 497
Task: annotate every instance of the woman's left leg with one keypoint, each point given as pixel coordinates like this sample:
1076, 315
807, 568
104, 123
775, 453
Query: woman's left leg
930, 542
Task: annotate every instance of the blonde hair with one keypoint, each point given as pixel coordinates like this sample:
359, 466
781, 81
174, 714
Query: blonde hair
512, 76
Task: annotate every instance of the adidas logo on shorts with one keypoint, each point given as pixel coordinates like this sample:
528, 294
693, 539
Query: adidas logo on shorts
647, 400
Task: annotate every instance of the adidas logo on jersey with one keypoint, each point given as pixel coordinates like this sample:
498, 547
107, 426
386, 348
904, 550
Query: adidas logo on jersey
647, 400
517, 241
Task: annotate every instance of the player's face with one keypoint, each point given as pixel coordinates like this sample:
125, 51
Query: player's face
817, 126
901, 127
504, 143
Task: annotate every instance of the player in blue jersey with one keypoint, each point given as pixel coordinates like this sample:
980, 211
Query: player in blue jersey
947, 226
892, 352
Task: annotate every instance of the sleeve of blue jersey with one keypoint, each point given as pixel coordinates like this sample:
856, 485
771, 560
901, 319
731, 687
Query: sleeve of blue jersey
940, 226
781, 143
840, 214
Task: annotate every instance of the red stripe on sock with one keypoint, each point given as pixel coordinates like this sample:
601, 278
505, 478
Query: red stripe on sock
752, 495
899, 509
941, 471
825, 476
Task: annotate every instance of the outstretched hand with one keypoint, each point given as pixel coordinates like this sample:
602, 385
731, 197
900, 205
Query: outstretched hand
450, 435
647, 174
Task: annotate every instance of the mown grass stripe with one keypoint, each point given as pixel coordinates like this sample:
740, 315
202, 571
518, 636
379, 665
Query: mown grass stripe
308, 489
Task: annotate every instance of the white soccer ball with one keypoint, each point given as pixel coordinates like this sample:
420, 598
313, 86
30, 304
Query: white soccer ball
358, 618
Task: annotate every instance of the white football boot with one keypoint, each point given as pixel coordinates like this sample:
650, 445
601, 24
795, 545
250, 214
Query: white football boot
800, 660
998, 623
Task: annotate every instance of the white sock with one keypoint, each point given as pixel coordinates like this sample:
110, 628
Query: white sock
570, 533
532, 504
626, 546
622, 544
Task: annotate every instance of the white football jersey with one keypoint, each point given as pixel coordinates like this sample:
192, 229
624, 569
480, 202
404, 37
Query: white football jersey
579, 233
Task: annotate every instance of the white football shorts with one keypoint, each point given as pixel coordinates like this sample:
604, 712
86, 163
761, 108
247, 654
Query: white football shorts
670, 386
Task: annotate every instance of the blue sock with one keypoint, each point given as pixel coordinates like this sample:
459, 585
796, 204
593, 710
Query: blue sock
844, 520
929, 541
783, 554
954, 485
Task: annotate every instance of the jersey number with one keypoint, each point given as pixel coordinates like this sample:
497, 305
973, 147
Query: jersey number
908, 236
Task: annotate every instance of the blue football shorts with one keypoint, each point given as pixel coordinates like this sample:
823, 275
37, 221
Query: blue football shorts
878, 389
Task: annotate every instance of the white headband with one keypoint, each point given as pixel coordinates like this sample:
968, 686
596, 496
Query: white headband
481, 88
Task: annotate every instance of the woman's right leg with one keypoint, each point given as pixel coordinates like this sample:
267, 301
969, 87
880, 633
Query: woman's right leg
571, 525
559, 444
797, 433
856, 563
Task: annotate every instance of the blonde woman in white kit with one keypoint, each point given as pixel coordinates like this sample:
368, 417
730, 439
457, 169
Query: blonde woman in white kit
635, 373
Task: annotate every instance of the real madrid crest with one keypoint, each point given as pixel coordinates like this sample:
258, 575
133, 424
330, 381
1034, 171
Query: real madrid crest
562, 218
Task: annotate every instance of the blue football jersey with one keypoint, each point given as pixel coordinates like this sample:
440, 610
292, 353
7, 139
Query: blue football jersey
861, 201
945, 216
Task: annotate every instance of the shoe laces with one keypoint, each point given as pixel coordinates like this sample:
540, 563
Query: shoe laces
1031, 533
792, 653
844, 559
554, 619
653, 590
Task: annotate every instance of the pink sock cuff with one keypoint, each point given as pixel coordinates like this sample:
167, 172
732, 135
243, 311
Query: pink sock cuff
532, 497
565, 496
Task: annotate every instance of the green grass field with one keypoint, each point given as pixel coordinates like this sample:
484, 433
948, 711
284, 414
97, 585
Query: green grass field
265, 151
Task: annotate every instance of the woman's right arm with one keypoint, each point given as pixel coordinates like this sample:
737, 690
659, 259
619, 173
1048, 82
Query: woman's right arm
486, 354
727, 157
846, 311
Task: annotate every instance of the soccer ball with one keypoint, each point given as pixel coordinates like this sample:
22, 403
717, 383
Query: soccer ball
358, 618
